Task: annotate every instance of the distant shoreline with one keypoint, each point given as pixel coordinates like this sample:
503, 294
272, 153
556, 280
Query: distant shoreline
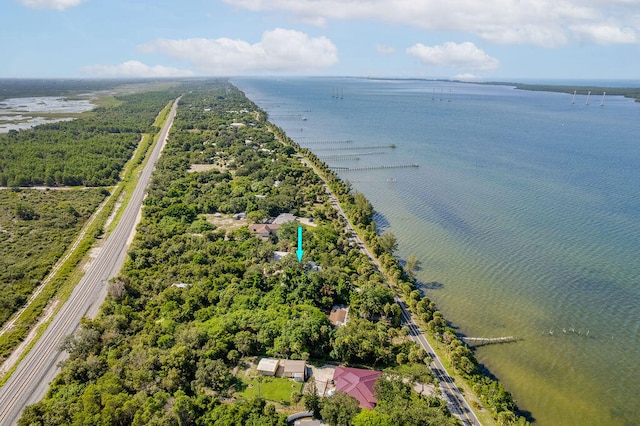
628, 92
59, 87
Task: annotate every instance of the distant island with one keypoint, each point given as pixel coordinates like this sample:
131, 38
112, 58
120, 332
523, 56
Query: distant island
628, 92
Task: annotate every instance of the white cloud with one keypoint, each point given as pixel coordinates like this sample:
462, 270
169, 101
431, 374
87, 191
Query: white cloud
50, 4
133, 69
548, 23
605, 34
526, 34
463, 56
467, 77
385, 50
279, 50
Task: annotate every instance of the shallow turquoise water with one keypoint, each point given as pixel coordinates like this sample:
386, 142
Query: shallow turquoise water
525, 214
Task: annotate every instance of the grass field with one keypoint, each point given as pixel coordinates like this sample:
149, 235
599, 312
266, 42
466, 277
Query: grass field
271, 388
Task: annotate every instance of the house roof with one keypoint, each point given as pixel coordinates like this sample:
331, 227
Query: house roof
263, 228
284, 218
268, 364
338, 315
358, 383
293, 366
260, 228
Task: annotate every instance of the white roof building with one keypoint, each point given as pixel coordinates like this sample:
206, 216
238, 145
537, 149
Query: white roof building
268, 366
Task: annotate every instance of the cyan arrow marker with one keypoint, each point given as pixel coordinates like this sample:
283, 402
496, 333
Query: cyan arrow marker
299, 252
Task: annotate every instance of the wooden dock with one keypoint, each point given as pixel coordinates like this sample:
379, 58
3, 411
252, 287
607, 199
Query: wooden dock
346, 157
357, 147
392, 166
328, 142
481, 341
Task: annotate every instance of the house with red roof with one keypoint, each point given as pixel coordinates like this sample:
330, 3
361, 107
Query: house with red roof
358, 383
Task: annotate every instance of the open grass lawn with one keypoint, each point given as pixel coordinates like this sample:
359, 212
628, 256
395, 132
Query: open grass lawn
271, 388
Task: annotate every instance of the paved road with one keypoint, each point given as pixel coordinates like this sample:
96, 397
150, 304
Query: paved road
456, 402
30, 381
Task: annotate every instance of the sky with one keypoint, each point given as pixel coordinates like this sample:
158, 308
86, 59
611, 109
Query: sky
488, 40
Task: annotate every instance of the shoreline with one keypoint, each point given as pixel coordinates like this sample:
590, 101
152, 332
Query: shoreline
627, 92
547, 318
433, 325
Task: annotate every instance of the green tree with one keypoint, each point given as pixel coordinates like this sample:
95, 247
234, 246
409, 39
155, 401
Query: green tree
312, 400
361, 211
296, 397
339, 409
185, 409
362, 341
244, 341
373, 299
388, 242
25, 211
372, 418
213, 374
417, 373
405, 407
412, 265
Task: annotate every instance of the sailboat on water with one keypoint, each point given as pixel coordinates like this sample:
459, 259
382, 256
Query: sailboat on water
602, 101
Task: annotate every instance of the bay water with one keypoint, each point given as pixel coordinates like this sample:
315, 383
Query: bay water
524, 212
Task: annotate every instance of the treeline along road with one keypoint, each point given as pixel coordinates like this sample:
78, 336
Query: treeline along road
31, 379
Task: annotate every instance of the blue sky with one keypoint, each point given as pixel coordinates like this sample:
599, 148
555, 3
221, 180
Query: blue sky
468, 39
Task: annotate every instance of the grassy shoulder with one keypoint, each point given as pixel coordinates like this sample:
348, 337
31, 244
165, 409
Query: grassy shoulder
137, 163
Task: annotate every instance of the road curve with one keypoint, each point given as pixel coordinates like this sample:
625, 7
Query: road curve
31, 379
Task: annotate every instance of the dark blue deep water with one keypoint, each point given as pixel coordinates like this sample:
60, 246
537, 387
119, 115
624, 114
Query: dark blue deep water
524, 212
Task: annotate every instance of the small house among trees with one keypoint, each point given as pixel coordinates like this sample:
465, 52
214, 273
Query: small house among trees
288, 368
339, 315
264, 230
